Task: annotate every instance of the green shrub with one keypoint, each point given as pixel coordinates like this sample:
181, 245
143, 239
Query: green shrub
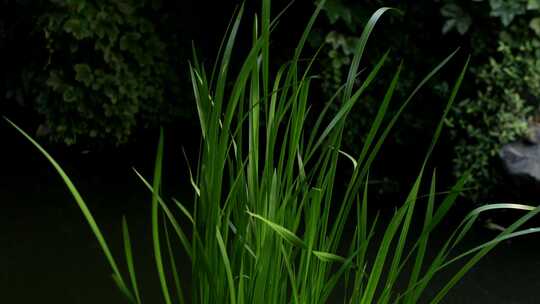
462, 15
502, 36
508, 97
107, 69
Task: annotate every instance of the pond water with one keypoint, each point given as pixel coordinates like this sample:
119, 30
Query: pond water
48, 254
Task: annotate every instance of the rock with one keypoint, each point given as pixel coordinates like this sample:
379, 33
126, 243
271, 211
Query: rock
533, 135
521, 160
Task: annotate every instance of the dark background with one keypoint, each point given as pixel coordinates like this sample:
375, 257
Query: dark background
47, 252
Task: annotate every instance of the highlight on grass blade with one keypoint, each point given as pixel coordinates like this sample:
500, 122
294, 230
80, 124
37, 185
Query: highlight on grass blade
285, 233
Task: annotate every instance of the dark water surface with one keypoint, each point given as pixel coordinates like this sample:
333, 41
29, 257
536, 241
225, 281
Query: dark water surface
48, 254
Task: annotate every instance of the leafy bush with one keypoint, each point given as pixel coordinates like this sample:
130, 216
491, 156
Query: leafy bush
502, 37
460, 15
268, 219
508, 98
507, 92
407, 36
107, 69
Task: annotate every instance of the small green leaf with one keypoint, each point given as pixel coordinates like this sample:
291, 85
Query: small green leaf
72, 26
125, 7
83, 73
451, 10
448, 26
129, 41
55, 81
75, 27
533, 5
456, 18
335, 11
535, 25
112, 31
507, 10
69, 95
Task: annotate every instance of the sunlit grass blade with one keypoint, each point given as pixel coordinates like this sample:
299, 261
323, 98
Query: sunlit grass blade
285, 233
328, 257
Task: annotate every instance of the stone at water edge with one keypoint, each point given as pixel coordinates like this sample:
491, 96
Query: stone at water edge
521, 161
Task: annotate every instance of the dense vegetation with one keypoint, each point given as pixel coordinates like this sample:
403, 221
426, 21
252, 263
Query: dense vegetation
106, 66
497, 108
111, 68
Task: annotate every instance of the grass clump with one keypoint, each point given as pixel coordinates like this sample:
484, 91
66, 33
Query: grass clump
268, 221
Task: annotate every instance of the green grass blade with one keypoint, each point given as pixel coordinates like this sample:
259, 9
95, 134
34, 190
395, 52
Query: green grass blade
328, 257
345, 109
484, 250
172, 262
84, 209
398, 251
307, 31
285, 233
384, 248
449, 104
176, 226
292, 277
158, 257
381, 112
423, 241
123, 288
358, 53
225, 62
227, 265
129, 259
184, 211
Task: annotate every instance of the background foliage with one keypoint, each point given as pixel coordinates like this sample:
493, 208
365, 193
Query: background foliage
107, 67
502, 36
501, 112
507, 91
94, 73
